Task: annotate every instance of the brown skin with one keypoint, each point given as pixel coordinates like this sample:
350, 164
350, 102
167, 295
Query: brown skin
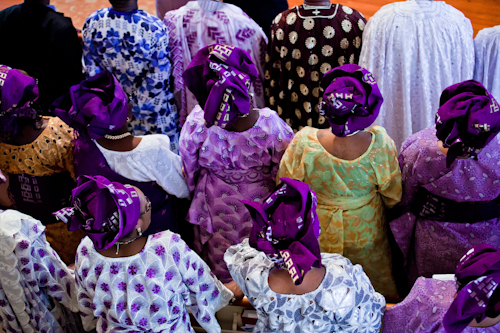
27, 133
487, 322
316, 2
41, 2
124, 6
347, 148
281, 282
244, 123
126, 144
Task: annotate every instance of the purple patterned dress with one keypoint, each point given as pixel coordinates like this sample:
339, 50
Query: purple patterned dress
422, 311
222, 168
433, 246
204, 22
306, 42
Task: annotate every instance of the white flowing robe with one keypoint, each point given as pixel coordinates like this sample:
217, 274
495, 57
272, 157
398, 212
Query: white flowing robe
487, 70
416, 49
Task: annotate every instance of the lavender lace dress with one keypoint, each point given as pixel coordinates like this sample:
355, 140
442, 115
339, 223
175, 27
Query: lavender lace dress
222, 168
433, 246
422, 311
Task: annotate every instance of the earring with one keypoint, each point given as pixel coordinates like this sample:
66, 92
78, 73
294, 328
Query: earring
139, 232
128, 119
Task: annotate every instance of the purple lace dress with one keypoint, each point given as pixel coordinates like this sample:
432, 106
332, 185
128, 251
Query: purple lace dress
222, 168
434, 246
423, 309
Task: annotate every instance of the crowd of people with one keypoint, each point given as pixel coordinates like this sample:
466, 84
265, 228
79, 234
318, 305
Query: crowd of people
318, 163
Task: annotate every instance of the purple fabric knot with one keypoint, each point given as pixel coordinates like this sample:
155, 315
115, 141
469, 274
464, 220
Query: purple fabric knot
351, 99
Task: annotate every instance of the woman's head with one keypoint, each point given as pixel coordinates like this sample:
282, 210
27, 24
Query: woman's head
220, 77
351, 99
106, 211
286, 228
18, 96
477, 276
467, 120
97, 106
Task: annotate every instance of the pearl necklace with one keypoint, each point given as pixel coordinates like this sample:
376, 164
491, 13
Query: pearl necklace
117, 137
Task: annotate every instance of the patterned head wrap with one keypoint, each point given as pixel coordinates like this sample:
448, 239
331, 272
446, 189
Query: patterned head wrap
99, 105
18, 92
478, 276
220, 77
351, 99
467, 120
286, 228
106, 211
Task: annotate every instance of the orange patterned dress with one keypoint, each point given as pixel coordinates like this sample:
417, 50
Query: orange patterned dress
352, 197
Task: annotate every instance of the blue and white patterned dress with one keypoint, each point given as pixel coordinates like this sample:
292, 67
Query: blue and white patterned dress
134, 47
344, 302
150, 290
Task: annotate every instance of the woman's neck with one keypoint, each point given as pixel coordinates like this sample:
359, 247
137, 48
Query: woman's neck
280, 281
317, 2
126, 250
347, 148
244, 123
125, 7
128, 143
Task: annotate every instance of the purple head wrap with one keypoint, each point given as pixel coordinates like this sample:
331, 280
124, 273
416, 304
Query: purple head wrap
220, 77
17, 94
106, 211
351, 99
286, 228
478, 276
99, 105
467, 120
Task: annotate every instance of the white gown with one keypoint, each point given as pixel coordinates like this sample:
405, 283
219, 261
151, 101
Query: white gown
487, 70
416, 49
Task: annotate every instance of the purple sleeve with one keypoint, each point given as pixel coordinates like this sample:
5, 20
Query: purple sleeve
177, 62
193, 134
282, 136
408, 164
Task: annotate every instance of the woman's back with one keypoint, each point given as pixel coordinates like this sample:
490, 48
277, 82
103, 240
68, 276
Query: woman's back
335, 305
332, 177
352, 197
147, 290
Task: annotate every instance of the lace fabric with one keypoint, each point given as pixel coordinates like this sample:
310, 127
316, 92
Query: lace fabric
151, 160
50, 153
416, 49
35, 285
345, 301
149, 291
487, 69
221, 23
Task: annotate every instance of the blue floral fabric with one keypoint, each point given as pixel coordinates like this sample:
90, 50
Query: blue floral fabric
150, 290
345, 301
134, 47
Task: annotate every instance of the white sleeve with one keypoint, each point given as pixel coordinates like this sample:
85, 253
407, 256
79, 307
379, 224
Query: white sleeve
168, 170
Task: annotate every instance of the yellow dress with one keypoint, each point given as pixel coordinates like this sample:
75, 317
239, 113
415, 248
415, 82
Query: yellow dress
352, 197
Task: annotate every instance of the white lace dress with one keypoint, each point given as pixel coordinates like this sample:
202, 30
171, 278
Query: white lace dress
151, 161
416, 49
344, 302
37, 290
487, 70
149, 291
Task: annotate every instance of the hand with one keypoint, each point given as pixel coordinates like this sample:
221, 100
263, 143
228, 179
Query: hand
238, 293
